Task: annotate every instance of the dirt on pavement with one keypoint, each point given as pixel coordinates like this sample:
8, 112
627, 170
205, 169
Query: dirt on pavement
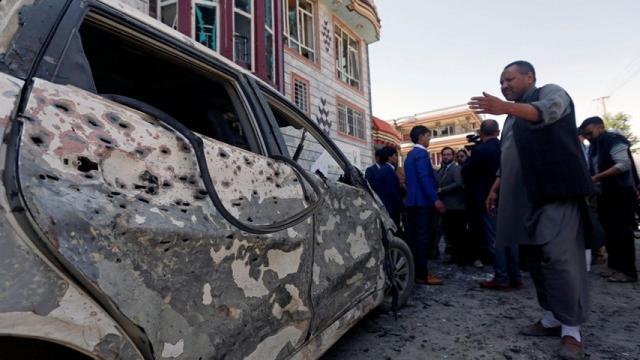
458, 320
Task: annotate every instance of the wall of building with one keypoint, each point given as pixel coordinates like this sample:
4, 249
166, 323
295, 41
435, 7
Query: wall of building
326, 89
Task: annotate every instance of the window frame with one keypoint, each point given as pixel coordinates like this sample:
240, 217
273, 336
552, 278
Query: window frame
345, 31
162, 3
315, 31
167, 45
295, 77
252, 43
303, 120
354, 108
270, 31
212, 3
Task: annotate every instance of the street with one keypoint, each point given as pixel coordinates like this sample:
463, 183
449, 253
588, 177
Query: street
461, 321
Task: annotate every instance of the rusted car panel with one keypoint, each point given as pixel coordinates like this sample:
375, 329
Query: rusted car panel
120, 198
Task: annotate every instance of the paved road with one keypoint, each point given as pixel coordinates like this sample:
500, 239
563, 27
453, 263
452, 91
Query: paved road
460, 321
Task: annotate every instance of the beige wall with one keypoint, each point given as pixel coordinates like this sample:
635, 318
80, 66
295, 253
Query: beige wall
325, 85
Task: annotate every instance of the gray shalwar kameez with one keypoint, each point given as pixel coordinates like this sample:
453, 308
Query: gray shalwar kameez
551, 233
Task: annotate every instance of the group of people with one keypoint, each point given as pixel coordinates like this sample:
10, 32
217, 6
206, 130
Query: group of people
536, 199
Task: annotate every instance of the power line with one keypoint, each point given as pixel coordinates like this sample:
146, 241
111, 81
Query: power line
625, 75
626, 81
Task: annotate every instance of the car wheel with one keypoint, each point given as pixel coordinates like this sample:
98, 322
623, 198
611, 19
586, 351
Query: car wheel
403, 273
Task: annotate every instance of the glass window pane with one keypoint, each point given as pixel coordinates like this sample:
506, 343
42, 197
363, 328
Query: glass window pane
268, 14
342, 119
206, 26
168, 15
292, 17
353, 61
344, 55
309, 33
242, 40
270, 56
306, 6
244, 5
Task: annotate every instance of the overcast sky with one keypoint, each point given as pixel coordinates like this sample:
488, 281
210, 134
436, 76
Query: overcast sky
438, 53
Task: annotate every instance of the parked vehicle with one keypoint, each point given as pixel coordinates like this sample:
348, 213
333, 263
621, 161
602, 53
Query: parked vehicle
160, 202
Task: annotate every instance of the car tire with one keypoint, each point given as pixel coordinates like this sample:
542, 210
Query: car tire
403, 273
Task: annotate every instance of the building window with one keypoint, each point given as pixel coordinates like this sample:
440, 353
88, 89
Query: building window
444, 131
206, 22
301, 93
347, 50
299, 27
269, 41
168, 12
351, 121
242, 33
436, 159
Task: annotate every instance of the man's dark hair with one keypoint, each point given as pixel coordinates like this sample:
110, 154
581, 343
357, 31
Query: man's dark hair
390, 150
386, 152
417, 131
489, 127
464, 151
524, 67
597, 120
453, 152
377, 154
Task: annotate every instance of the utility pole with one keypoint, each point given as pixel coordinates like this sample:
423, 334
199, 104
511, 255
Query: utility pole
603, 104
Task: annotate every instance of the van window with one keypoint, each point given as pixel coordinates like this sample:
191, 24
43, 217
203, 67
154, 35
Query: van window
129, 66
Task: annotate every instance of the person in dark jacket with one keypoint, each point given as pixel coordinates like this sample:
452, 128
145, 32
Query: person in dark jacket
388, 184
461, 156
479, 173
451, 191
613, 168
422, 202
542, 188
371, 173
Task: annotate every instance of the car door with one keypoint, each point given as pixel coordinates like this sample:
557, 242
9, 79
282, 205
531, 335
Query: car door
164, 209
348, 252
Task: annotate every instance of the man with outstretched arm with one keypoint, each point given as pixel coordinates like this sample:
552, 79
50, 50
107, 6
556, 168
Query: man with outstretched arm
542, 185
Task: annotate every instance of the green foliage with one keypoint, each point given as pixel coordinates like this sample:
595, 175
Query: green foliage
622, 123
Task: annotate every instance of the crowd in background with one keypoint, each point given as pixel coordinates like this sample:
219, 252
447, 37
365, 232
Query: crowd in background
538, 199
468, 228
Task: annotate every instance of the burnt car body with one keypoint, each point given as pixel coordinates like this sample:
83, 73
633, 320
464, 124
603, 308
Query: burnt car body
158, 201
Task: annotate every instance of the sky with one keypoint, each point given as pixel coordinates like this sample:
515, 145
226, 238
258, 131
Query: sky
438, 53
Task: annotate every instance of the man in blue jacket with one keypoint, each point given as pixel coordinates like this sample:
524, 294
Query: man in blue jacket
422, 202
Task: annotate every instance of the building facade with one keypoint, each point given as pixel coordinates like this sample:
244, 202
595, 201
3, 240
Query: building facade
315, 52
449, 128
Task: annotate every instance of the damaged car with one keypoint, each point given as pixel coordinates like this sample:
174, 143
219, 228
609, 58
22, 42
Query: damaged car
160, 202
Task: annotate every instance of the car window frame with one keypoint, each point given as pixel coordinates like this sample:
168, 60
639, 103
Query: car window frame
305, 122
113, 20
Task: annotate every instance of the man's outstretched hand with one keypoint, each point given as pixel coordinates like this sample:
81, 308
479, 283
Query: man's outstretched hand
488, 104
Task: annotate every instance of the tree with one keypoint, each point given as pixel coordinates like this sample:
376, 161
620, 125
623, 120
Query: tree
622, 123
